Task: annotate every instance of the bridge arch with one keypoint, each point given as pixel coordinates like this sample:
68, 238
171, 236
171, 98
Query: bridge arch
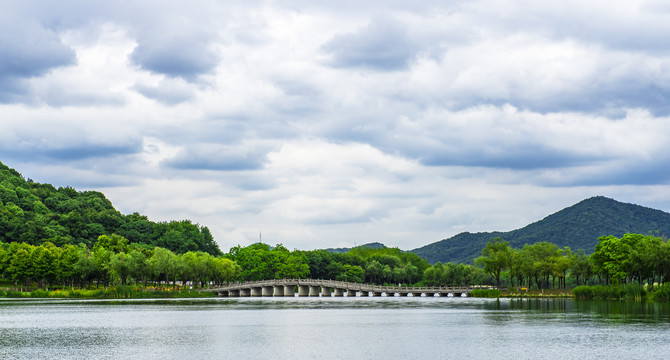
328, 288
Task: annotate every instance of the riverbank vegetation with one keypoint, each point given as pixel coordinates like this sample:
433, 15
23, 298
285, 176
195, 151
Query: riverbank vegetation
633, 267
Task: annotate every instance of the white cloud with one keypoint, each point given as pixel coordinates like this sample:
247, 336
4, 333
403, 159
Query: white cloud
332, 125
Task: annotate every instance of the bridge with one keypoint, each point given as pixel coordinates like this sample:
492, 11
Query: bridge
328, 288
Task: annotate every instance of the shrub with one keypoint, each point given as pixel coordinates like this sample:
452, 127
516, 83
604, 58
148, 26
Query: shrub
612, 292
661, 292
583, 292
39, 293
485, 293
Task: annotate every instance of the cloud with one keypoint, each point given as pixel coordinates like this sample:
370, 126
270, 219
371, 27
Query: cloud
181, 56
339, 124
382, 45
170, 91
218, 157
28, 50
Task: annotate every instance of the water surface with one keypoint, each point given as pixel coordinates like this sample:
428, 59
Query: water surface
333, 328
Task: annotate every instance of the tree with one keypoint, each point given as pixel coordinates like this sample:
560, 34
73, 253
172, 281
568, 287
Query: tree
164, 264
119, 265
614, 257
43, 263
539, 262
19, 265
581, 266
66, 264
562, 264
138, 266
352, 273
495, 258
85, 265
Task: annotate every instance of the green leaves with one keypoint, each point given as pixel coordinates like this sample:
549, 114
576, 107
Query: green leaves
495, 257
36, 213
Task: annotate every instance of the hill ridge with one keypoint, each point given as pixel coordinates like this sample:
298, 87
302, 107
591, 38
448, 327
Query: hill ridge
578, 226
35, 213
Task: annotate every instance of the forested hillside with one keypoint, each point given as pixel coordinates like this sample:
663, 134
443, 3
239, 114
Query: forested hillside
36, 213
578, 226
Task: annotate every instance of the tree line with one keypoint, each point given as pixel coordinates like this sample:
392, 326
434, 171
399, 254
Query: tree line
110, 261
633, 258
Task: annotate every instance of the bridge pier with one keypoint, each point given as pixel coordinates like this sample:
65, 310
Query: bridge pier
328, 288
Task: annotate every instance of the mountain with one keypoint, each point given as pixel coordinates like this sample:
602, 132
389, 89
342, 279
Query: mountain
373, 245
35, 213
578, 226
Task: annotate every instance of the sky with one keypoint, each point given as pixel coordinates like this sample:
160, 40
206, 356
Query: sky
332, 124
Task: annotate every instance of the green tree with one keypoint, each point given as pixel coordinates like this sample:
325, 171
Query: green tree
120, 265
66, 264
164, 264
139, 267
495, 258
43, 264
19, 269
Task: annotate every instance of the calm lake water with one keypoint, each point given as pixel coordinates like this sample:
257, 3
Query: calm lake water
333, 328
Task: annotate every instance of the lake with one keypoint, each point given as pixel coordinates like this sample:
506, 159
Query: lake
333, 328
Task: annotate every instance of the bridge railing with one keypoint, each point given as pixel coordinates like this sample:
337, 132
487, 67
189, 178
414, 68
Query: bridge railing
340, 285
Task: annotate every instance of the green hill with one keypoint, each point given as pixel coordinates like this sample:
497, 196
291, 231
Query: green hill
35, 213
373, 245
578, 226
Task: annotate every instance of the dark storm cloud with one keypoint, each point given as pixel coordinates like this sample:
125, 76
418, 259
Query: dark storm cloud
382, 45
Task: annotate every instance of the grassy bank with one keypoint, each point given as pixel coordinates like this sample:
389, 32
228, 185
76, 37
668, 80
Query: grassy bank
623, 292
119, 292
537, 293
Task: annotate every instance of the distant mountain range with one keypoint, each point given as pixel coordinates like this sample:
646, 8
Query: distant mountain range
373, 245
578, 226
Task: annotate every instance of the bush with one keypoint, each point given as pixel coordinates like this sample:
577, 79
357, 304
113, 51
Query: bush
661, 292
39, 293
612, 292
485, 293
583, 292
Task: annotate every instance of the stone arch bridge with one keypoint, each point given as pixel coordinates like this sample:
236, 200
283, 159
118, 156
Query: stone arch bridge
328, 288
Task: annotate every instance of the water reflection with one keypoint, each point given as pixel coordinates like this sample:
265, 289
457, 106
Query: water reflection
347, 328
570, 310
